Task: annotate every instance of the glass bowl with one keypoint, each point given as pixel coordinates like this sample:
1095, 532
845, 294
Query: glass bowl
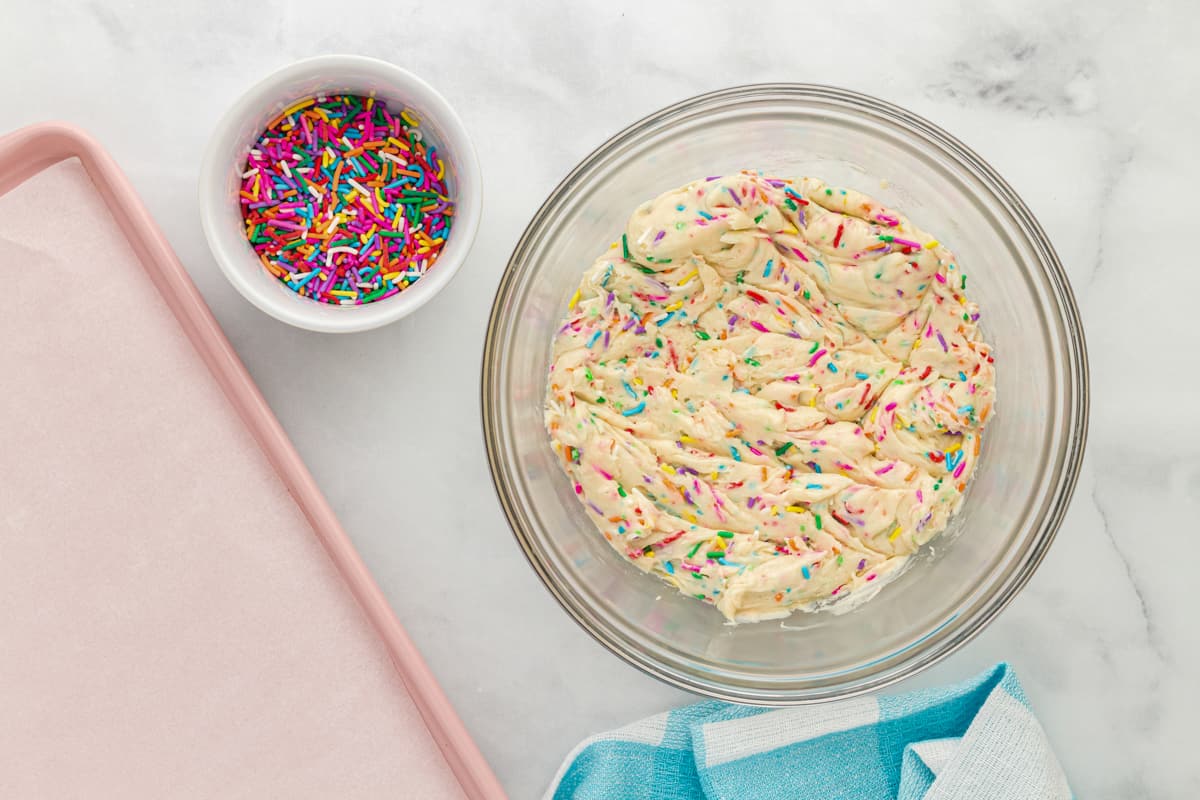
1031, 452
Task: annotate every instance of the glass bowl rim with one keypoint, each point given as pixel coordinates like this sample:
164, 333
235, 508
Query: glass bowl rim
1062, 298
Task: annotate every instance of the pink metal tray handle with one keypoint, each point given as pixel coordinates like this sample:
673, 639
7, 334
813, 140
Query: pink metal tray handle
30, 150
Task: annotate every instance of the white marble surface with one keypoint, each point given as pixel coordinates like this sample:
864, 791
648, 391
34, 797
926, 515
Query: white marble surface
1089, 112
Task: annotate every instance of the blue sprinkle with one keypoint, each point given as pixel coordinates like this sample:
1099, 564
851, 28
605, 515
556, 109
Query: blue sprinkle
962, 376
629, 389
665, 320
831, 366
862, 376
592, 340
816, 468
767, 271
967, 410
814, 486
639, 408
669, 567
804, 571
705, 214
736, 455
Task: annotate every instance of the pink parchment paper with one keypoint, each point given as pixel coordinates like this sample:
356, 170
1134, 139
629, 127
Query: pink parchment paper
169, 625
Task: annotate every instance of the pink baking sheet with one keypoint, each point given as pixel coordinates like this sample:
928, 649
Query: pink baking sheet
180, 613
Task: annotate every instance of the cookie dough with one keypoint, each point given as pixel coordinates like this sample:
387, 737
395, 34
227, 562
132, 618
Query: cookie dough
769, 393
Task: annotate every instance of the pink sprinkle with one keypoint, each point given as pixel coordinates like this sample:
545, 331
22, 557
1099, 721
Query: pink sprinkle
958, 471
791, 378
799, 254
816, 357
605, 474
578, 489
871, 577
920, 497
884, 470
758, 326
754, 450
690, 567
940, 277
907, 243
889, 407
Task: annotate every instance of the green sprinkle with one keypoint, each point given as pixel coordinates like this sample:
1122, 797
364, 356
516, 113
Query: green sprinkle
741, 276
725, 534
588, 373
715, 554
702, 335
964, 283
625, 246
829, 191
621, 490
817, 519
753, 362
692, 552
783, 448
601, 400
813, 349
807, 295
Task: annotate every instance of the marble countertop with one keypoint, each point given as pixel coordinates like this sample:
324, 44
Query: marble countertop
1087, 112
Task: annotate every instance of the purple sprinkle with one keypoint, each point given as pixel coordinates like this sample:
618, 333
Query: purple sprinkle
862, 563
659, 237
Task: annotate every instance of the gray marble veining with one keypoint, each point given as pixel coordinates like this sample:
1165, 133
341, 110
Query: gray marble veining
1088, 109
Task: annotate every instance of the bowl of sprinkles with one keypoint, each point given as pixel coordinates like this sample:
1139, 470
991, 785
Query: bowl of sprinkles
340, 193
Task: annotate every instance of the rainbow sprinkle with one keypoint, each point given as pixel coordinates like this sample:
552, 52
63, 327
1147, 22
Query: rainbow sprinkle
344, 202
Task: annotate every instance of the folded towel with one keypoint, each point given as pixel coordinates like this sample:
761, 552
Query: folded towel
977, 740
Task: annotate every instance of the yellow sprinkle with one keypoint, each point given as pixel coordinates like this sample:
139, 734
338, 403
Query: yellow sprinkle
674, 306
638, 381
675, 393
892, 536
954, 449
649, 554
690, 517
574, 300
775, 510
791, 229
613, 246
409, 118
391, 276
813, 402
796, 509
342, 293
296, 107
932, 243
667, 468
683, 437
689, 276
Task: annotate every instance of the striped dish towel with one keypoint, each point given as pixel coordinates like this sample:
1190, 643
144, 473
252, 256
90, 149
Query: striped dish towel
977, 740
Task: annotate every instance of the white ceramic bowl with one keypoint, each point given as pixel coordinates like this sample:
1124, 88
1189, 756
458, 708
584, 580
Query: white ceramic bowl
225, 159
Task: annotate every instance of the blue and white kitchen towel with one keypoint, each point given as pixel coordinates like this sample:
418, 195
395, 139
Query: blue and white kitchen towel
977, 740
